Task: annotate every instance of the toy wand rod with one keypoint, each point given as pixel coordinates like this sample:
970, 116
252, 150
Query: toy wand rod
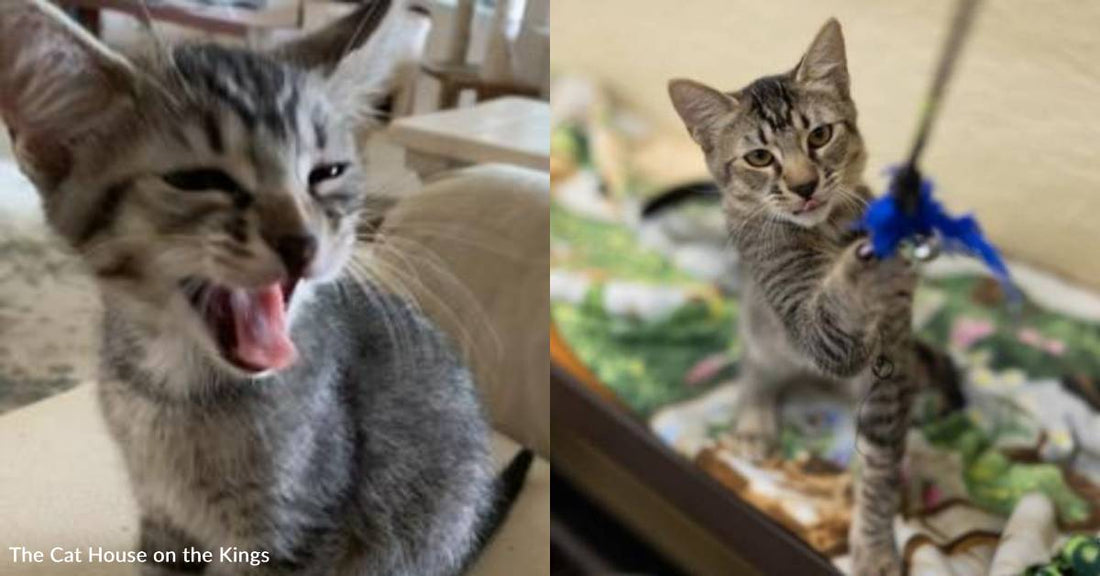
906, 186
960, 26
909, 212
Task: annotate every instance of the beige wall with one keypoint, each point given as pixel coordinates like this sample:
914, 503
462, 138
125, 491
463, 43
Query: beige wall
1019, 138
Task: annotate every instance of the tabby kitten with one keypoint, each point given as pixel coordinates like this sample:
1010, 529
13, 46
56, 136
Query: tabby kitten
818, 309
264, 406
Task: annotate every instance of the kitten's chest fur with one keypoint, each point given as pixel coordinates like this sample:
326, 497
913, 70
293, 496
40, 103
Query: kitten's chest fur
769, 351
370, 453
767, 345
243, 471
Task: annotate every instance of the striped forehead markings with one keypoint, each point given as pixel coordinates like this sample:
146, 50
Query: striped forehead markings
213, 133
261, 92
291, 101
771, 101
105, 212
319, 132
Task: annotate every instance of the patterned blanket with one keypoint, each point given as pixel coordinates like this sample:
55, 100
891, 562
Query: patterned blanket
650, 308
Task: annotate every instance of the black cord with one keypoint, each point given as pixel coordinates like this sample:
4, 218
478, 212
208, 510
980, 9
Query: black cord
906, 183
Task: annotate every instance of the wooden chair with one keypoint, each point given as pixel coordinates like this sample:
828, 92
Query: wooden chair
500, 73
229, 21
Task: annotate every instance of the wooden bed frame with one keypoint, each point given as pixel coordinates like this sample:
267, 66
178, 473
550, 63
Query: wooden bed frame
681, 511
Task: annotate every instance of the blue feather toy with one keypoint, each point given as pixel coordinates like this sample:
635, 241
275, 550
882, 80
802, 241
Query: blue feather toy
890, 222
908, 212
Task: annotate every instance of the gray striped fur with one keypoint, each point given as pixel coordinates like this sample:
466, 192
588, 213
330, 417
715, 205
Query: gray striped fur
814, 312
370, 454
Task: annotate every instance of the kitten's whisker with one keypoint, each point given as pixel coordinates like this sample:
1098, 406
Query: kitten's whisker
388, 278
455, 288
422, 254
162, 51
151, 26
363, 280
397, 277
391, 281
445, 232
372, 276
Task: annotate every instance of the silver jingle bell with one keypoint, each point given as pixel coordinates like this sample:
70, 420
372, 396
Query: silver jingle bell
926, 249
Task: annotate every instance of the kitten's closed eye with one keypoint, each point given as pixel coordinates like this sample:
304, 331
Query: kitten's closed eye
202, 180
327, 172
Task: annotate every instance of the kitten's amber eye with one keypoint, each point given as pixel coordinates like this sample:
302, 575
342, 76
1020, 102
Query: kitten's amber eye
326, 172
759, 158
820, 136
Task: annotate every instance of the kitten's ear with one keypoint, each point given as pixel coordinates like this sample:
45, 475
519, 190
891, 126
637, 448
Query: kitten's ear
826, 62
365, 55
57, 83
323, 49
700, 107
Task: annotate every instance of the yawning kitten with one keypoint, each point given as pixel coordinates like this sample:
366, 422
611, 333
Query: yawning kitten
260, 402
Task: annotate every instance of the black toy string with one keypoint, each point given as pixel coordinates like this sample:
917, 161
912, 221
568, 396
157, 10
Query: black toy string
907, 180
906, 186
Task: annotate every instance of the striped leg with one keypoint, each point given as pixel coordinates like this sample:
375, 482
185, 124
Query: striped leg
883, 420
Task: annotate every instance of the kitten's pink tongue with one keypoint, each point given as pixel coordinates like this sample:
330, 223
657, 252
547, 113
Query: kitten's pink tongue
259, 319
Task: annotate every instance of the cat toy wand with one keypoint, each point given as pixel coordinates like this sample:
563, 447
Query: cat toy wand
909, 212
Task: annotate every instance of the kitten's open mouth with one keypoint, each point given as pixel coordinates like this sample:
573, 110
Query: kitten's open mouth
249, 326
809, 206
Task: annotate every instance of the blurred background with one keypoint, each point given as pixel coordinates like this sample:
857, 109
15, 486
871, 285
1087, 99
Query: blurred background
1017, 139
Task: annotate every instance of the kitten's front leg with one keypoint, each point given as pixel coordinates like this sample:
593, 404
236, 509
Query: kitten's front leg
829, 305
158, 534
882, 423
756, 430
883, 420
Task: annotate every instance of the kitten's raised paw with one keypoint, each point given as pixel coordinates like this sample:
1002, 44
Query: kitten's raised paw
877, 561
874, 277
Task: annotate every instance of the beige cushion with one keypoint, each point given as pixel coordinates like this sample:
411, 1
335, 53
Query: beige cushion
62, 484
474, 248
